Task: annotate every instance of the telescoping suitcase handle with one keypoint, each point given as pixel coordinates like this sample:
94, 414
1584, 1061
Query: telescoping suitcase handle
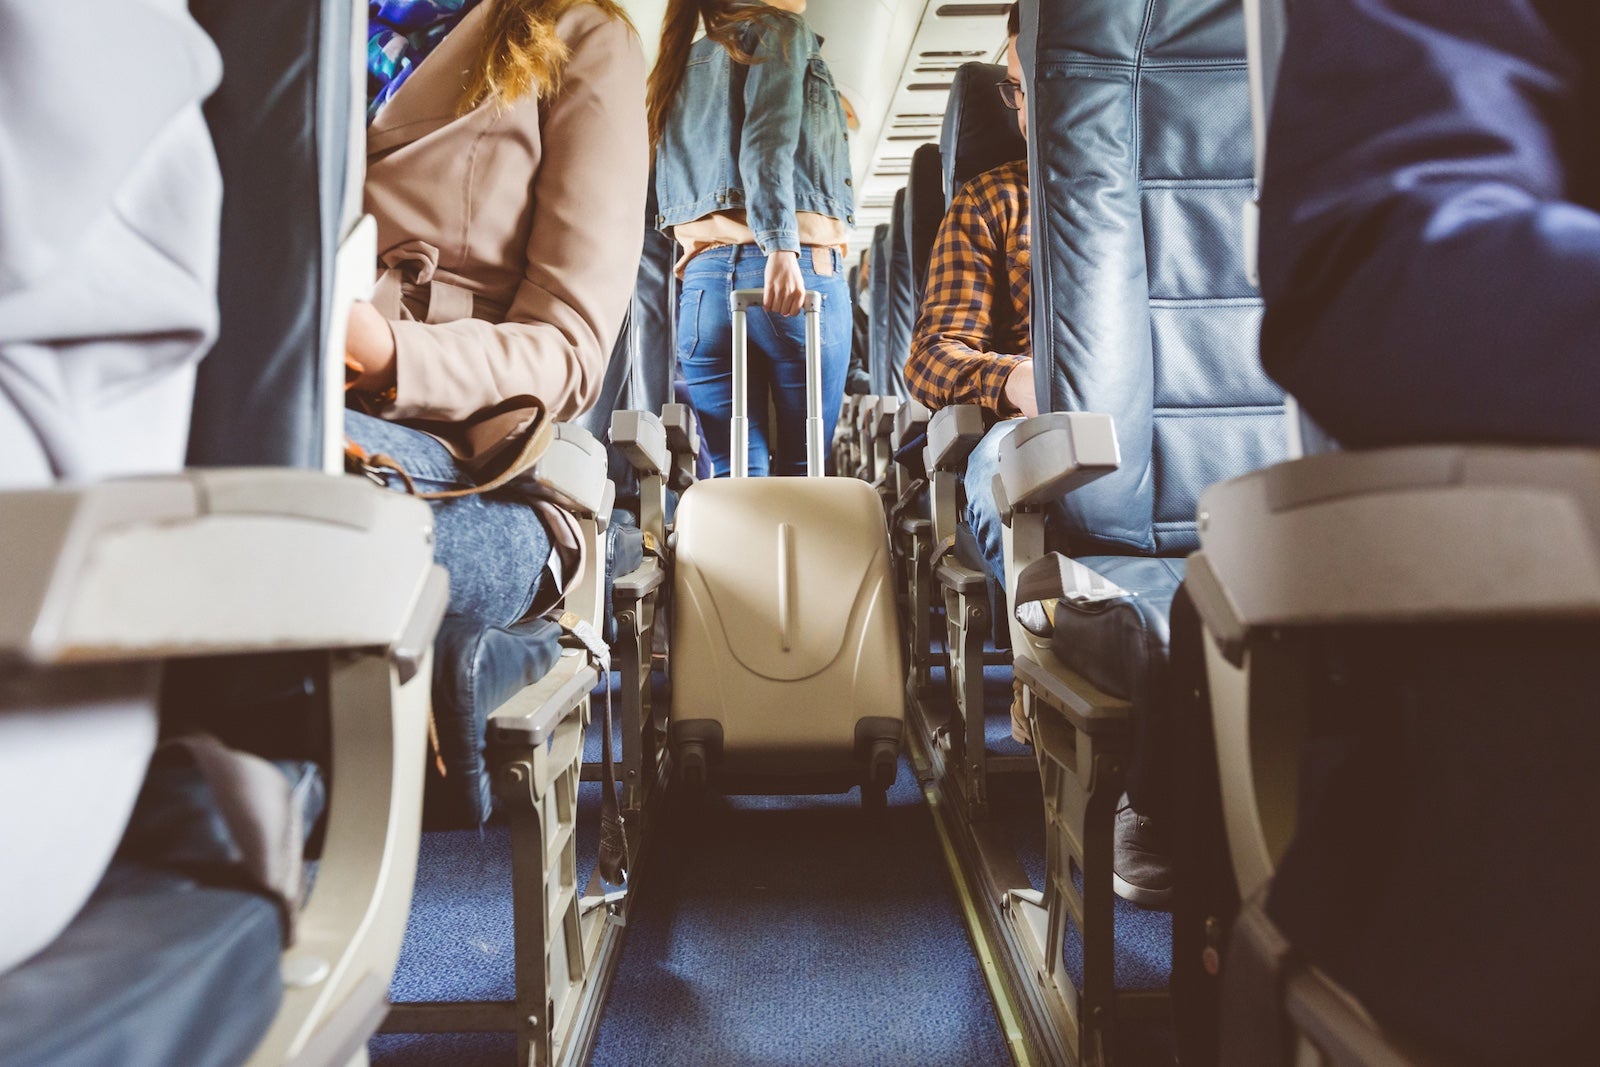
739, 303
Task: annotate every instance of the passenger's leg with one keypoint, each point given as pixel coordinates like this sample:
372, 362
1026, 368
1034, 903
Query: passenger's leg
705, 349
983, 518
495, 546
789, 368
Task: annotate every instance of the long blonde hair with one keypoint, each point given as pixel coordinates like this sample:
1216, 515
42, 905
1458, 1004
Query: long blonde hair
722, 21
524, 54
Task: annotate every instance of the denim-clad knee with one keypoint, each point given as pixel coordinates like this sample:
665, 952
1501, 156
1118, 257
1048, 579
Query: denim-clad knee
494, 546
983, 518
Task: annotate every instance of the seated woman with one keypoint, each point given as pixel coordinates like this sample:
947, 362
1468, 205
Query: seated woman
506, 168
753, 175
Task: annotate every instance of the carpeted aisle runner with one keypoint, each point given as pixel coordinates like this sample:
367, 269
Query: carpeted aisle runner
799, 930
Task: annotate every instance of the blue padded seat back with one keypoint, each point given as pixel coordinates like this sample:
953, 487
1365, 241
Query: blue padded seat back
980, 132
902, 316
639, 374
878, 328
281, 125
925, 204
1141, 164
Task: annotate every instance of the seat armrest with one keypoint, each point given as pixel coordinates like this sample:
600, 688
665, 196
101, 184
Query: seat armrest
849, 408
683, 441
530, 717
212, 562
572, 473
642, 440
678, 424
866, 416
1052, 454
1403, 535
883, 418
953, 433
909, 421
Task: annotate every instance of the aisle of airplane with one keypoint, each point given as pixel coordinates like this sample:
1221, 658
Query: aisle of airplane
1096, 708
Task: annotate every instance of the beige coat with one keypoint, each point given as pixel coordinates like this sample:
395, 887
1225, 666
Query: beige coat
516, 232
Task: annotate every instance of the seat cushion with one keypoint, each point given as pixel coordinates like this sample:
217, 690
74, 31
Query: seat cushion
1120, 646
476, 668
157, 969
166, 963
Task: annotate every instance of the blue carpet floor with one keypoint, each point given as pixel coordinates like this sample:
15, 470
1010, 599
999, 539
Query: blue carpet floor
770, 930
799, 930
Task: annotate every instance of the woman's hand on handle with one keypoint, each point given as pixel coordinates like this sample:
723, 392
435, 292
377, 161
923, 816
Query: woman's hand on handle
784, 292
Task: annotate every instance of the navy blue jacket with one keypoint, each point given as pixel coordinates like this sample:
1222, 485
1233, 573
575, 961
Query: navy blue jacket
1430, 238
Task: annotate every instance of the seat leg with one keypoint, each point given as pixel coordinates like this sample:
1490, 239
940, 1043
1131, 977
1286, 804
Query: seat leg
921, 628
1083, 779
635, 638
528, 909
971, 628
539, 788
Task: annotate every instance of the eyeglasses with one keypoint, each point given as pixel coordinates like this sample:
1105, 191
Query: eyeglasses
1011, 94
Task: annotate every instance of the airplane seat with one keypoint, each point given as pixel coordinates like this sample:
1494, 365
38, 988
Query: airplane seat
1143, 342
639, 374
902, 299
1372, 696
199, 944
878, 355
925, 206
898, 314
859, 450
979, 134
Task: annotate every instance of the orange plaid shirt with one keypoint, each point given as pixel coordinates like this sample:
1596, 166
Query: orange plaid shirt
973, 325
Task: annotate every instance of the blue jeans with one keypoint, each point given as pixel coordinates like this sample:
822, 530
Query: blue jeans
777, 349
983, 518
494, 546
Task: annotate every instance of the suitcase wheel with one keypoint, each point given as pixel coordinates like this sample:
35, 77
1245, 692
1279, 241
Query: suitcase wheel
692, 766
883, 766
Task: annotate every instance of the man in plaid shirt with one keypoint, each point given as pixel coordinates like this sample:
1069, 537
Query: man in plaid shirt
972, 347
971, 342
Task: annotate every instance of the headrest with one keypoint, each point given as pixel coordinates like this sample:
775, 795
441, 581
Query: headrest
284, 122
925, 204
980, 132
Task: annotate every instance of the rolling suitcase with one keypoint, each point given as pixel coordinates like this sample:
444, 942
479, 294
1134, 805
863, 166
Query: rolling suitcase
787, 664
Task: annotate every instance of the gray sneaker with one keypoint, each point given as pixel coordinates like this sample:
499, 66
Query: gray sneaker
1141, 870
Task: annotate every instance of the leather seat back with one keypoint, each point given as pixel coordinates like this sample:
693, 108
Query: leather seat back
878, 328
289, 133
902, 309
924, 211
639, 375
288, 122
1141, 166
980, 132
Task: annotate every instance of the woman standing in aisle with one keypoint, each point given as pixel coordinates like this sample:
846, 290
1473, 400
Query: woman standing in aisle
753, 176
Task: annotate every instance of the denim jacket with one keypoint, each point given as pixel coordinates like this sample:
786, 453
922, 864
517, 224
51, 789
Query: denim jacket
769, 137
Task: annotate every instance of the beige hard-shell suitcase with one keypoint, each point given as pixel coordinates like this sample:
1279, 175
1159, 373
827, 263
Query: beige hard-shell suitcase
787, 664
